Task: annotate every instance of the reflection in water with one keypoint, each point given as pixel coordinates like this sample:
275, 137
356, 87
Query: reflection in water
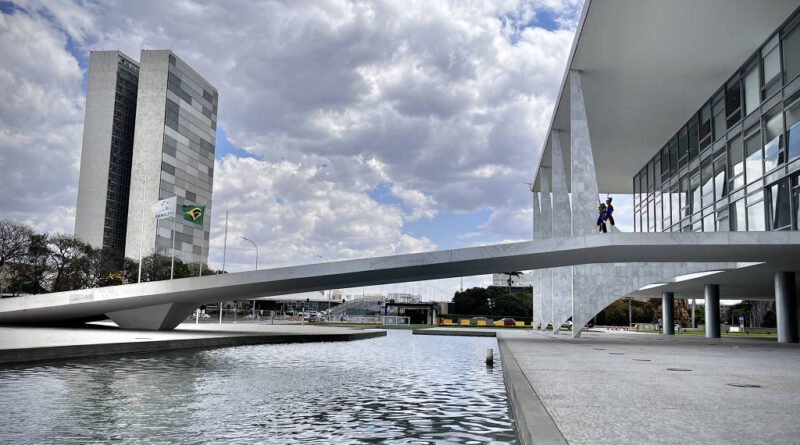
401, 388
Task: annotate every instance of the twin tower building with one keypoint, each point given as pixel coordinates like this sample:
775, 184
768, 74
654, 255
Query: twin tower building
149, 134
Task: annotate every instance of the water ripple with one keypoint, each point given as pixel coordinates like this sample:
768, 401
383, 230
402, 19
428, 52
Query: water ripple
398, 389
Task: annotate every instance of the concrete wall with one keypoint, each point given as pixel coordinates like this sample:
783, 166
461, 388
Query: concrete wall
96, 149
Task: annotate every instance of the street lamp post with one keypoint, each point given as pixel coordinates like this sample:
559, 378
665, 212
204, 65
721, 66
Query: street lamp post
254, 300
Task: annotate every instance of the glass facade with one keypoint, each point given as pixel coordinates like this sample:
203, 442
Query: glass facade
735, 164
187, 163
119, 169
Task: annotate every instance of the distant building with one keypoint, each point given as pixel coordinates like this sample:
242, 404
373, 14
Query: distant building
149, 134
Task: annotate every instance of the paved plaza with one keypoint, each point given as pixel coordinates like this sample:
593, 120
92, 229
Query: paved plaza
633, 389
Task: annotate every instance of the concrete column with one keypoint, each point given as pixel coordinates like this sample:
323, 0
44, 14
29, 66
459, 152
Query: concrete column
546, 215
667, 308
537, 275
694, 324
712, 310
786, 307
562, 276
583, 173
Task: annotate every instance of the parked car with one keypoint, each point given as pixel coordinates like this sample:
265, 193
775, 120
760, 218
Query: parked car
509, 322
313, 319
474, 321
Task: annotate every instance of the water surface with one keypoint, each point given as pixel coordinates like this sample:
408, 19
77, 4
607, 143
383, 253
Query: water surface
397, 389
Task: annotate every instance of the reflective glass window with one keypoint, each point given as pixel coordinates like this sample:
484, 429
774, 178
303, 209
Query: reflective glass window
753, 164
751, 96
720, 185
675, 204
718, 110
793, 126
707, 181
673, 156
683, 147
780, 205
693, 141
791, 54
733, 101
723, 223
773, 140
694, 192
771, 66
657, 172
755, 217
665, 171
657, 213
738, 216
684, 197
708, 223
705, 126
736, 162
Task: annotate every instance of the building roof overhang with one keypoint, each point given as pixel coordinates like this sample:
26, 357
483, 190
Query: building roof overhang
648, 65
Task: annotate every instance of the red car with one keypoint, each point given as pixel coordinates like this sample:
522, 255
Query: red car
509, 322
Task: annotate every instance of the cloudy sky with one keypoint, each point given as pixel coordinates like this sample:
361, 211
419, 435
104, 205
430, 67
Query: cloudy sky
347, 129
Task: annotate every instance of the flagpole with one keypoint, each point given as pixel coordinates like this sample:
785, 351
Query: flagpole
141, 229
224, 252
172, 265
202, 245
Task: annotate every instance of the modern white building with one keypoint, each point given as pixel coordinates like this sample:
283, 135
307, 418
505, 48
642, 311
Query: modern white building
693, 107
104, 185
174, 145
149, 134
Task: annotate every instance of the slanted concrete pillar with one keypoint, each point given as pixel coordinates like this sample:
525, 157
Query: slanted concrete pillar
712, 310
583, 173
537, 274
667, 310
561, 276
546, 215
786, 307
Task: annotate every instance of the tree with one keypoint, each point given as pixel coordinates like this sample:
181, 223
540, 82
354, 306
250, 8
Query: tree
69, 260
14, 239
34, 268
471, 301
494, 301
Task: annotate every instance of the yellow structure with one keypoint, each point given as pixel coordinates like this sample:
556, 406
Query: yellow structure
464, 322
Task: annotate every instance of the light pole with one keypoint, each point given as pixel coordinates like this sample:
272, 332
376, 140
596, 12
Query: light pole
256, 246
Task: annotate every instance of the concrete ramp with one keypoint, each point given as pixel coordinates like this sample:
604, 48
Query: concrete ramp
137, 305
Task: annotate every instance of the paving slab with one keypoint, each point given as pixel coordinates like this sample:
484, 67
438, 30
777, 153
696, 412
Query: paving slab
633, 389
27, 343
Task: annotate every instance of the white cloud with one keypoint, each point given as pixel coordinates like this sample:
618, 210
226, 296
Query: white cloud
40, 124
445, 101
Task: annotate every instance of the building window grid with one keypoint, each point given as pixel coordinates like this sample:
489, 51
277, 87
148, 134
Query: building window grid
715, 121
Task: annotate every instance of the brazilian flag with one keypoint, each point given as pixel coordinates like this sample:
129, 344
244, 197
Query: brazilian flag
194, 213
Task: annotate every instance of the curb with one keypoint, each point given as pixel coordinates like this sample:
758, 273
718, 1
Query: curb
51, 353
534, 424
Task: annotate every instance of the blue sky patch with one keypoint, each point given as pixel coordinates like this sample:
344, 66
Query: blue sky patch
382, 194
224, 147
451, 230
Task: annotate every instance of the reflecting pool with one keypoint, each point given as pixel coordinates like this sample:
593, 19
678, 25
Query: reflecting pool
397, 389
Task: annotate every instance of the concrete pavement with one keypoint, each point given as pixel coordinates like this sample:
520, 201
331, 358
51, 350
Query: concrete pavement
633, 389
